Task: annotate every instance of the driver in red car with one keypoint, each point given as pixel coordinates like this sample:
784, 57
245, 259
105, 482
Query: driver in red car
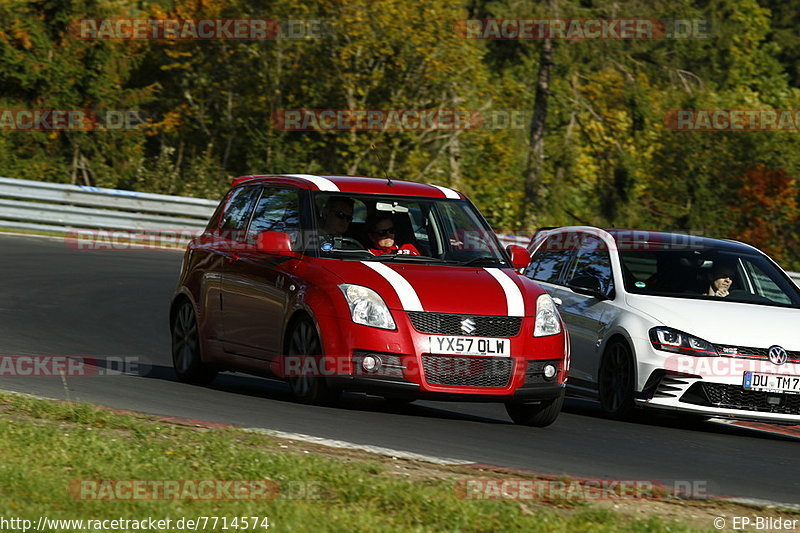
380, 230
336, 216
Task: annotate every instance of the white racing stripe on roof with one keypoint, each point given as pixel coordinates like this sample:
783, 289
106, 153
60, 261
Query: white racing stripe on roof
323, 184
408, 296
514, 300
449, 193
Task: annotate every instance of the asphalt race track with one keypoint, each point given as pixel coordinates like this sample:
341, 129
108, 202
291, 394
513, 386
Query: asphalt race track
113, 304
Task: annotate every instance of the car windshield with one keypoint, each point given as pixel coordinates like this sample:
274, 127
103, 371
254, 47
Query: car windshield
711, 274
403, 229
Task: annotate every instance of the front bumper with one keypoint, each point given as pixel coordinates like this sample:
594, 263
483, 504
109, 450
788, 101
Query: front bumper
718, 394
408, 369
389, 387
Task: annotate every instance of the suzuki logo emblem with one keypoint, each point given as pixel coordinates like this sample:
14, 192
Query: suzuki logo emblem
467, 325
777, 355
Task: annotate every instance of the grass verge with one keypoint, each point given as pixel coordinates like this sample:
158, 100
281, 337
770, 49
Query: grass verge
47, 445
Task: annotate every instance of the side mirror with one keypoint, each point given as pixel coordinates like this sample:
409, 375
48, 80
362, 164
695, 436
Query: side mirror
520, 258
588, 285
275, 243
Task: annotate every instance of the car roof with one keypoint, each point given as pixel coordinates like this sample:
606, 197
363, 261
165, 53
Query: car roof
626, 238
352, 184
640, 239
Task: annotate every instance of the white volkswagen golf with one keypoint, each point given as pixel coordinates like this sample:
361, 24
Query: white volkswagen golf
671, 321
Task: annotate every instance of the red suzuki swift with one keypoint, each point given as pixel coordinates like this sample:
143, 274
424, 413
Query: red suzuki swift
349, 283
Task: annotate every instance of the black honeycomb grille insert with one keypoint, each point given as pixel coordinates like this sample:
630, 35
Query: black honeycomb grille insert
451, 324
736, 397
467, 371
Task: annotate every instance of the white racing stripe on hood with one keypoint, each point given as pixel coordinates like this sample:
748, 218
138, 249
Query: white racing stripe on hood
514, 300
449, 193
323, 184
408, 296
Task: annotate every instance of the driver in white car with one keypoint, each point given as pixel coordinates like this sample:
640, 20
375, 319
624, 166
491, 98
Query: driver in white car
720, 280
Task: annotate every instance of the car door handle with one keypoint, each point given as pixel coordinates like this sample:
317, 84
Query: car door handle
557, 301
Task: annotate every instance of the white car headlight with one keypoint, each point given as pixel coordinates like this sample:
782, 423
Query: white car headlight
366, 307
672, 340
547, 319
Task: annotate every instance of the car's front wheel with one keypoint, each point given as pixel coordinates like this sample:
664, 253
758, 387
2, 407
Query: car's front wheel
616, 381
307, 382
536, 414
186, 356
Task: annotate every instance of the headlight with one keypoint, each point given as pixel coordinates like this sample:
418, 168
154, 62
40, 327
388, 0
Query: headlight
672, 340
547, 320
366, 307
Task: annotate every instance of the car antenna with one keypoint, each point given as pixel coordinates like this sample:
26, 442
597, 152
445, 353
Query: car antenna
383, 167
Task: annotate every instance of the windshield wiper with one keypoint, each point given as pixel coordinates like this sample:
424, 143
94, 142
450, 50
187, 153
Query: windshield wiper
484, 260
349, 253
395, 257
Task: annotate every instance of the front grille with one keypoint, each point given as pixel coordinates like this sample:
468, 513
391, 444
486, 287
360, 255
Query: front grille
743, 351
736, 397
467, 371
450, 324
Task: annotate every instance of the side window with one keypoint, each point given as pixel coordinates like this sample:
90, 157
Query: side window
593, 259
764, 285
238, 207
549, 260
277, 210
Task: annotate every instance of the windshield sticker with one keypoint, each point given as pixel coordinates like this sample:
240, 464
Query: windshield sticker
640, 284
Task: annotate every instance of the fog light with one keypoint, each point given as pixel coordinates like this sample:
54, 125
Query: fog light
370, 363
549, 371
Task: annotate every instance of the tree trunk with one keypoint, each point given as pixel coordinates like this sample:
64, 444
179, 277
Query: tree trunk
454, 155
535, 168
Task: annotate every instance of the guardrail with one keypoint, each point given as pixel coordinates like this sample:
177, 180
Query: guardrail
61, 208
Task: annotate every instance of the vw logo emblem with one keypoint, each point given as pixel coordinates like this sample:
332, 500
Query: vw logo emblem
777, 355
467, 325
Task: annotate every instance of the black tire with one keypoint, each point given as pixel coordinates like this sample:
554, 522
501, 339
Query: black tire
308, 388
536, 414
616, 387
186, 352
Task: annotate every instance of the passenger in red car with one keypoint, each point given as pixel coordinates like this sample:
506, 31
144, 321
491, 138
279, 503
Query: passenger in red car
380, 231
